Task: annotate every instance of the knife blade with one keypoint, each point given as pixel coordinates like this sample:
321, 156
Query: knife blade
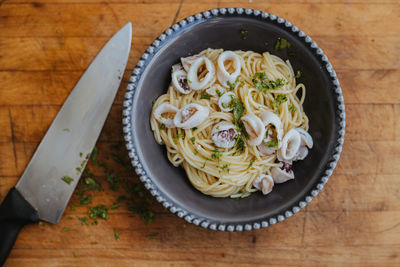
64, 151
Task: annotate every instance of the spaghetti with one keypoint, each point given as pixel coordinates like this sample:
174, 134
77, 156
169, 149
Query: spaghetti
265, 83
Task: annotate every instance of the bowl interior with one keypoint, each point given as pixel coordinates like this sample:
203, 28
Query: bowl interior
224, 32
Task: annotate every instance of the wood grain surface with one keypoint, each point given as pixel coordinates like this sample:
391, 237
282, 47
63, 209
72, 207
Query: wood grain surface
45, 45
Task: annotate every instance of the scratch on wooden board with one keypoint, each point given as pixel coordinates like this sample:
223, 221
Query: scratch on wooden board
177, 12
388, 229
13, 138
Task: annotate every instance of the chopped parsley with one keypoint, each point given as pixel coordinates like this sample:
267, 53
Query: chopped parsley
240, 144
151, 236
282, 43
66, 130
262, 83
204, 165
175, 141
238, 108
219, 94
196, 152
250, 164
298, 74
280, 99
272, 143
194, 129
75, 254
193, 140
72, 208
40, 223
153, 102
67, 179
116, 234
65, 229
162, 127
244, 33
226, 168
292, 108
181, 136
204, 96
232, 85
216, 155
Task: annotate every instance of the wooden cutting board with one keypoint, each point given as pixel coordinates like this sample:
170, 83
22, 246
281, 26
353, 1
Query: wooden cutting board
46, 45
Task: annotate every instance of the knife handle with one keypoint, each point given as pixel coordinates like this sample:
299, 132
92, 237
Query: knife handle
15, 212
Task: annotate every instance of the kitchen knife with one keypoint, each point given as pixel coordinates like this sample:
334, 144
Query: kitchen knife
52, 174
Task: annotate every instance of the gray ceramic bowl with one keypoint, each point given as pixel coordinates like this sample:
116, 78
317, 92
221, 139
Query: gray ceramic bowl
220, 28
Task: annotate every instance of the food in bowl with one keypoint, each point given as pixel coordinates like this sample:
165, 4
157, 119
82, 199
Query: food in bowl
234, 121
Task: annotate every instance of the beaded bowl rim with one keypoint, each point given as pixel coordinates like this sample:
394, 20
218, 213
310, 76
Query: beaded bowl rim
136, 161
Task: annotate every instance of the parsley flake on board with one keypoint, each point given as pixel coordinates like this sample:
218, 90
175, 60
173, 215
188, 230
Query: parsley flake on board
65, 229
99, 211
298, 74
85, 199
151, 236
116, 234
84, 220
115, 206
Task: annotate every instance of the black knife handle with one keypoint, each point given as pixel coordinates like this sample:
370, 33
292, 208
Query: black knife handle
15, 212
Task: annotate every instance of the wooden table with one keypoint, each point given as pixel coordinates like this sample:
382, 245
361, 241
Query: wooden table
46, 45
